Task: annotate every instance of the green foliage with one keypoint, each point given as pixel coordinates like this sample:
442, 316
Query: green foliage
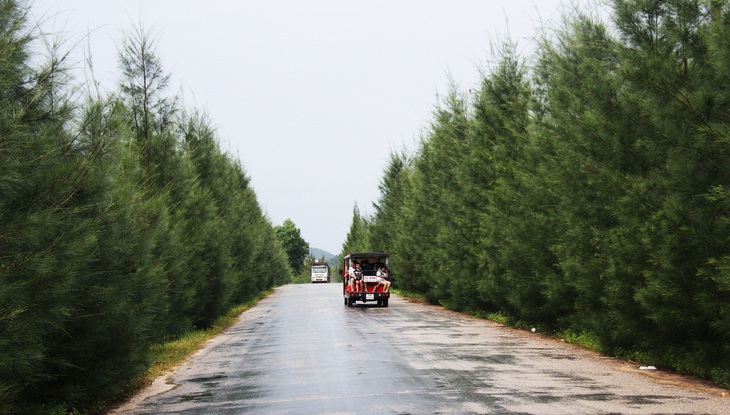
516, 226
582, 339
356, 240
122, 223
392, 188
588, 194
296, 248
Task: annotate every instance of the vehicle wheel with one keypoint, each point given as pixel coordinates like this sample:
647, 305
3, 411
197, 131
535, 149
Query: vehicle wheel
350, 301
385, 302
345, 300
380, 303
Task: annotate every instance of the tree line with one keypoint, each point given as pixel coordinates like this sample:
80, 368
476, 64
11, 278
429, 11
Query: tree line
122, 223
584, 189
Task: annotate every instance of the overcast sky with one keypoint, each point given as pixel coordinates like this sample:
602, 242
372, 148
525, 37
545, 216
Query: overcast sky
310, 95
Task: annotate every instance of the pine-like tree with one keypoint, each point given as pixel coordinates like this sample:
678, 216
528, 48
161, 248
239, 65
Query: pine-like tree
357, 237
384, 227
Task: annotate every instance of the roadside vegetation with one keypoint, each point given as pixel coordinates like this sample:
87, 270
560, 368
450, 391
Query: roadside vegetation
123, 224
169, 355
165, 357
295, 247
584, 189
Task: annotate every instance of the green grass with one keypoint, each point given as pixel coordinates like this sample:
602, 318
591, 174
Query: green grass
417, 298
497, 317
583, 339
168, 355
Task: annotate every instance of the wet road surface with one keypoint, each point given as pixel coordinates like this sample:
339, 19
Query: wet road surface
301, 351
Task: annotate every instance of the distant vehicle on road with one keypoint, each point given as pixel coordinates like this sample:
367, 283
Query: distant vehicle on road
368, 287
320, 273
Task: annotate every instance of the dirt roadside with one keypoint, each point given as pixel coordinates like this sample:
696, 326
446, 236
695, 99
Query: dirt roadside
658, 375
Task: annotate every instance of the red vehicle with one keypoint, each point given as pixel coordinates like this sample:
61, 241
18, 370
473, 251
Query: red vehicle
369, 287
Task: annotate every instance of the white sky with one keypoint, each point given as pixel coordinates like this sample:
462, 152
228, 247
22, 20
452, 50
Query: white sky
310, 95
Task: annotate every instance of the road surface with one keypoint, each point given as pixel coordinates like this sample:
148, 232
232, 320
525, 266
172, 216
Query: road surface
301, 351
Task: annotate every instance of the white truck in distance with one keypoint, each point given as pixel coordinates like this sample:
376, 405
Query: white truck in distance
320, 273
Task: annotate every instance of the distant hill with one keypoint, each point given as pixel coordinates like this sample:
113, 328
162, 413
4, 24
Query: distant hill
319, 253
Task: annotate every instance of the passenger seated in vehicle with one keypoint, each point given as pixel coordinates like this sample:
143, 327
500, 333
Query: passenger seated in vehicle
383, 278
351, 276
358, 278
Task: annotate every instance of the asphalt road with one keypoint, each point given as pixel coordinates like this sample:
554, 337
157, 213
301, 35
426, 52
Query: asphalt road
301, 351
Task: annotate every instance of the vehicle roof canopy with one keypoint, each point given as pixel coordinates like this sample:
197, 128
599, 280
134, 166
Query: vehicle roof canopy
356, 255
366, 257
